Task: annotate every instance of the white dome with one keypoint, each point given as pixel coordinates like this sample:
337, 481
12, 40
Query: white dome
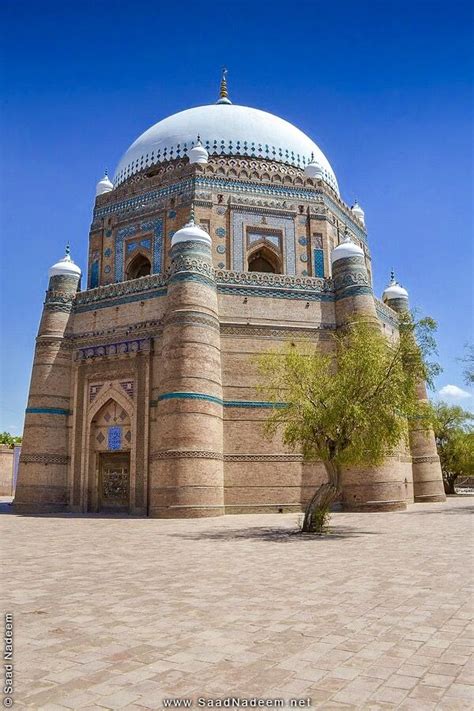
224, 129
394, 291
346, 248
104, 186
191, 233
198, 154
314, 170
358, 212
65, 267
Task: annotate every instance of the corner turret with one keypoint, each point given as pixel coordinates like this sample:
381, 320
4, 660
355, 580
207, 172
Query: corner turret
427, 477
187, 468
42, 484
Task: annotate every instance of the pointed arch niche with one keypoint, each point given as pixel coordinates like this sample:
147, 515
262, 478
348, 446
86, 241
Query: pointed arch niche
138, 266
264, 252
111, 451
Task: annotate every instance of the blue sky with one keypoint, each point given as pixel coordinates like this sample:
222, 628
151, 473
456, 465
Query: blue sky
385, 89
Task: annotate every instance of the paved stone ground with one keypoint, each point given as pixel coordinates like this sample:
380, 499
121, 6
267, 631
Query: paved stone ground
117, 613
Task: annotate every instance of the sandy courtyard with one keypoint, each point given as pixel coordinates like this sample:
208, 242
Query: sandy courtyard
121, 613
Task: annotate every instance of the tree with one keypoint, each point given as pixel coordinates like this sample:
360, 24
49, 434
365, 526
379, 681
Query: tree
455, 441
349, 406
469, 361
9, 439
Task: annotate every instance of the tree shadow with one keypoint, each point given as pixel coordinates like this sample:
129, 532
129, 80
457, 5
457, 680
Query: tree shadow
274, 535
450, 510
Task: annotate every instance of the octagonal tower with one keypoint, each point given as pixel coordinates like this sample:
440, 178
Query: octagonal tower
155, 359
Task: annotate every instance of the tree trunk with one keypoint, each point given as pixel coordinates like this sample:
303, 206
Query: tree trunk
449, 481
317, 510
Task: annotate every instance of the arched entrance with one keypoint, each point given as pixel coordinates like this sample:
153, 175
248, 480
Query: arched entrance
111, 437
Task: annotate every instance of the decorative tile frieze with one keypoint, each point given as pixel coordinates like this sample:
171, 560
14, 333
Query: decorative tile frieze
47, 411
350, 278
44, 458
216, 400
285, 281
111, 291
261, 331
263, 457
186, 454
386, 314
190, 276
153, 197
59, 301
192, 318
245, 146
190, 396
134, 346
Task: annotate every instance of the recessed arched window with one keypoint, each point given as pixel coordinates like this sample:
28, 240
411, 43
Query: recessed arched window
264, 260
140, 266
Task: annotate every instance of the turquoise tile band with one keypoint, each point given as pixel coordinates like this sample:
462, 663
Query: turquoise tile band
47, 411
217, 400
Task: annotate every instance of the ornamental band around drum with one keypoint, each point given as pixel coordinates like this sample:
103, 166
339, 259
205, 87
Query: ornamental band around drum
143, 389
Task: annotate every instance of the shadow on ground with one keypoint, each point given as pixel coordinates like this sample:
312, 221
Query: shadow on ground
6, 508
464, 511
280, 535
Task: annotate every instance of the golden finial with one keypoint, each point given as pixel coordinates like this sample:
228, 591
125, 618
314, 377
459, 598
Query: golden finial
223, 94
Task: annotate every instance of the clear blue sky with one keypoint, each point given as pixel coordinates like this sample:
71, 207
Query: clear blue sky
385, 88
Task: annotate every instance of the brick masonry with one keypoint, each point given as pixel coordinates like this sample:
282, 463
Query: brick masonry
183, 341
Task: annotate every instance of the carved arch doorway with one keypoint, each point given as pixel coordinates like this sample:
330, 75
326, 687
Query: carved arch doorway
111, 473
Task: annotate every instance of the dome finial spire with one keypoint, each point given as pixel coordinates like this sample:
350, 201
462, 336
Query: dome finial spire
68, 249
223, 94
392, 276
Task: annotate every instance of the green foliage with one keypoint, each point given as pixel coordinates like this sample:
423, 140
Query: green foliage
455, 441
9, 439
350, 405
469, 361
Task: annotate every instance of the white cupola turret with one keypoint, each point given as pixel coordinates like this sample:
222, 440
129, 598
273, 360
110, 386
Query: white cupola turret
191, 233
198, 153
347, 248
313, 169
104, 185
65, 267
394, 290
358, 212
